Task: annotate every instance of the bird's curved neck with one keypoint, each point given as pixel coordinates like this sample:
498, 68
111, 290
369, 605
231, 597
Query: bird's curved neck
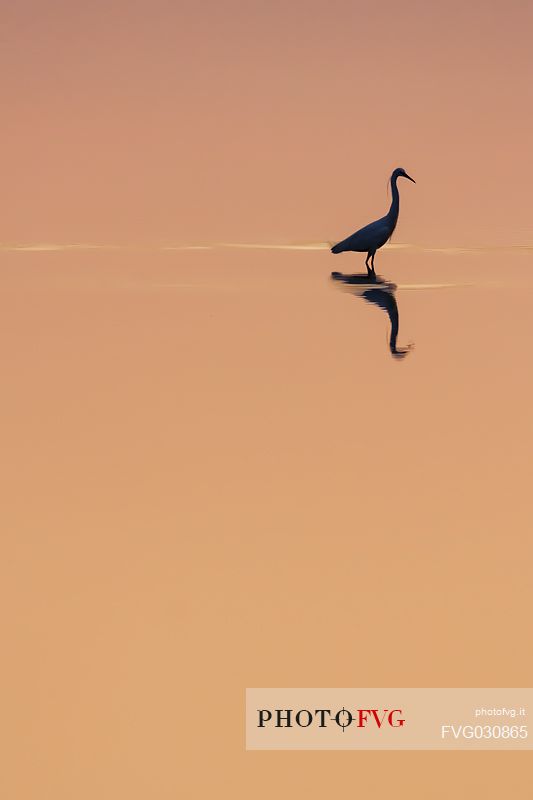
395, 205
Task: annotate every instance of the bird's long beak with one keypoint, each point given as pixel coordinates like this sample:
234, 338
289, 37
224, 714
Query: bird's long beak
409, 177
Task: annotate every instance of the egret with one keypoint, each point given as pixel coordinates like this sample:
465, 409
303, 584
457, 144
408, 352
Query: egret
373, 236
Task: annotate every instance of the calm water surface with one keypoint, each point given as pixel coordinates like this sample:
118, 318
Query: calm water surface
216, 458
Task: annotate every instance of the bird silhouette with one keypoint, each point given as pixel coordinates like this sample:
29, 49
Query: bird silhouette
381, 293
373, 236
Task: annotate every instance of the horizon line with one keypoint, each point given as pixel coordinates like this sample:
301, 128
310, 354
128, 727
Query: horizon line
41, 247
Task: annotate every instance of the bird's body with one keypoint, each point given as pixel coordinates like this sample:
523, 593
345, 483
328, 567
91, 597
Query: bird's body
370, 238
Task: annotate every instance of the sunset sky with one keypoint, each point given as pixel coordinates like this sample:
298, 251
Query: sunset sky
152, 122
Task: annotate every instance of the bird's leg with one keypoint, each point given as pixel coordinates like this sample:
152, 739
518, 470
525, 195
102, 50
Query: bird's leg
368, 268
373, 255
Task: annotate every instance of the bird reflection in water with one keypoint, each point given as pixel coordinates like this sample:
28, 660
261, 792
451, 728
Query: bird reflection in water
381, 293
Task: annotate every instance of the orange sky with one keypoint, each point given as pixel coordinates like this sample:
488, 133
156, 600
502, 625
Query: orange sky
251, 121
